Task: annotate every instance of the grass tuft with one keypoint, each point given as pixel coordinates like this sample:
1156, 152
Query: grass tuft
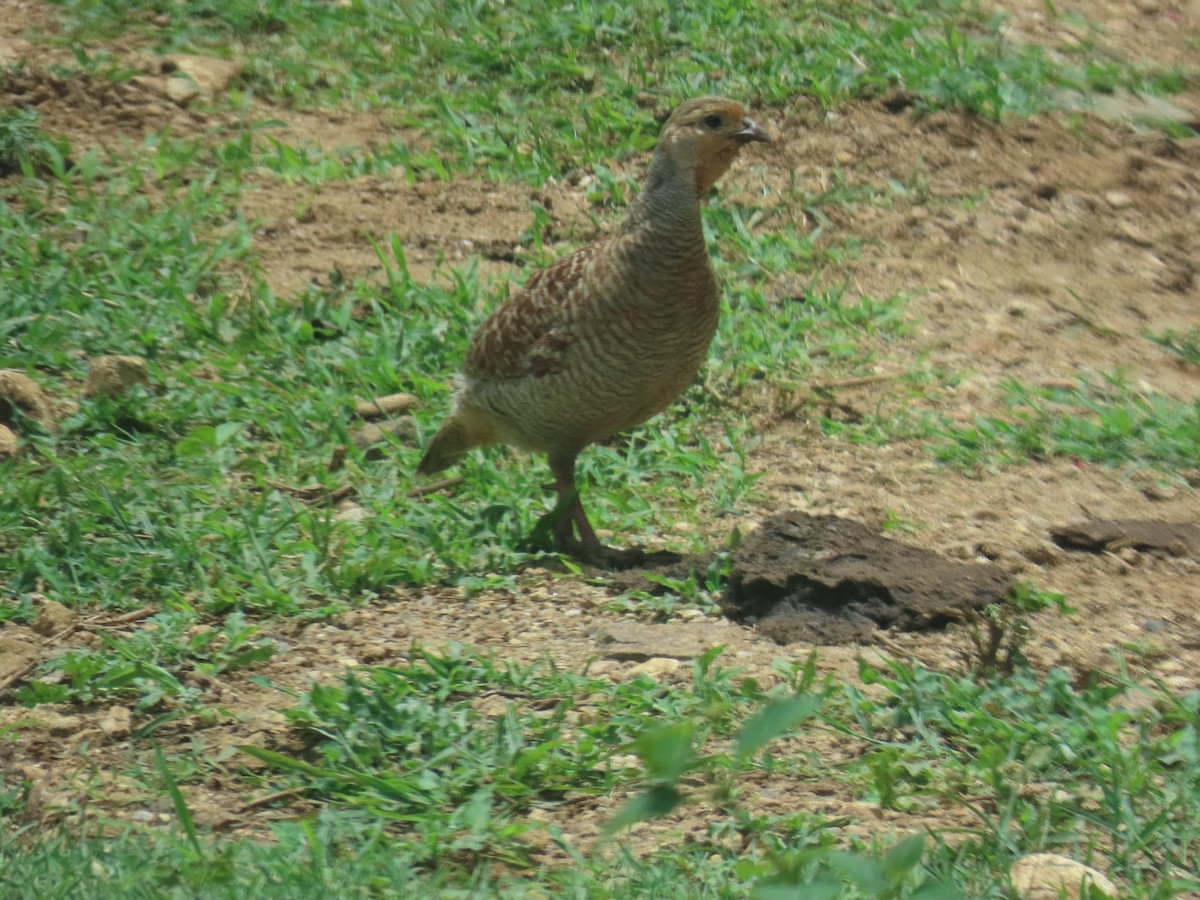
1102, 421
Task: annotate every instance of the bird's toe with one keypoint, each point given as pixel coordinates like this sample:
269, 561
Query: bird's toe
613, 559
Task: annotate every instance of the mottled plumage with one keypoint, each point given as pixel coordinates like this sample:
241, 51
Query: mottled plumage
608, 336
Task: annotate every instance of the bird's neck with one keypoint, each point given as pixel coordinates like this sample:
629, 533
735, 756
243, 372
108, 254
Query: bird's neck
669, 199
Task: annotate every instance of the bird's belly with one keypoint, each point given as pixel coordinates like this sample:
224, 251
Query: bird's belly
591, 398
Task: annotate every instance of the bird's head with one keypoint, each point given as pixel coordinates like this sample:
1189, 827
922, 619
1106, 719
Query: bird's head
705, 134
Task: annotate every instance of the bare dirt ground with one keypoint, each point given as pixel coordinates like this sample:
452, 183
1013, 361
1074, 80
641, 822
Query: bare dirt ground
1084, 233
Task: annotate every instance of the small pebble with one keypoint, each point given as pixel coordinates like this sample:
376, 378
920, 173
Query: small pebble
1134, 234
1118, 199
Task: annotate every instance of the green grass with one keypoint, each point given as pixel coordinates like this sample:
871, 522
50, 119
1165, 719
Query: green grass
407, 756
1089, 771
1102, 421
1185, 345
520, 90
152, 664
342, 856
181, 496
349, 857
173, 494
26, 148
410, 745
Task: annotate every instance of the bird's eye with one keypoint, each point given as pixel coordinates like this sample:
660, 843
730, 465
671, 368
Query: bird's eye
712, 121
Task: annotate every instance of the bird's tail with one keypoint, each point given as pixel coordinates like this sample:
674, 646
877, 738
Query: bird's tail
448, 446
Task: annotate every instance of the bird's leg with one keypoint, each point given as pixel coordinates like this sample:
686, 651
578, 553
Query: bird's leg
563, 469
587, 546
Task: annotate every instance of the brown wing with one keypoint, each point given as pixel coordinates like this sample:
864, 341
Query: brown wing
528, 333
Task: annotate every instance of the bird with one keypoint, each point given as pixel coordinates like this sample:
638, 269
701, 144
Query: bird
608, 336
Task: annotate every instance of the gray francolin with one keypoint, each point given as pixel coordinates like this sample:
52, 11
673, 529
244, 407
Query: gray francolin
608, 336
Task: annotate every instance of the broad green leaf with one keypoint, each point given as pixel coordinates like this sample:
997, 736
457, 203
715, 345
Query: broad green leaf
819, 889
771, 721
666, 751
656, 802
904, 857
867, 873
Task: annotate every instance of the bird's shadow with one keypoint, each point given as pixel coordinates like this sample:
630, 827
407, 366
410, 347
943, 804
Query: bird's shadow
541, 541
645, 574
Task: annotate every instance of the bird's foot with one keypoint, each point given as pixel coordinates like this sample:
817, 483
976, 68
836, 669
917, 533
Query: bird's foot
613, 559
555, 529
573, 533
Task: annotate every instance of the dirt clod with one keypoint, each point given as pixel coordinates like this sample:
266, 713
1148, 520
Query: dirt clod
117, 723
13, 50
349, 511
52, 619
370, 435
828, 580
211, 76
16, 656
114, 375
62, 726
20, 394
657, 668
1147, 535
1048, 876
378, 407
1118, 199
9, 445
182, 91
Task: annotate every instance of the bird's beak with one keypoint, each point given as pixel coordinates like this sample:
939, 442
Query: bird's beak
752, 131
